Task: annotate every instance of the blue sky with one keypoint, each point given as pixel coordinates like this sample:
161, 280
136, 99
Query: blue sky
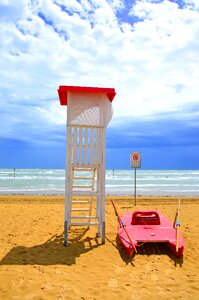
147, 50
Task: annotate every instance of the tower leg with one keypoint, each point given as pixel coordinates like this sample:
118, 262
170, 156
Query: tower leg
98, 234
65, 233
103, 233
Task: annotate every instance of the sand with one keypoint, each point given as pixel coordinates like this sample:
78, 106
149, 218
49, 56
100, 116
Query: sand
34, 264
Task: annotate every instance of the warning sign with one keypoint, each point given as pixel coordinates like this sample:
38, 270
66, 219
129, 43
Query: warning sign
135, 159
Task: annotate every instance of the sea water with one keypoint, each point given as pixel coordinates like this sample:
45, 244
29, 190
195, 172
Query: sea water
118, 182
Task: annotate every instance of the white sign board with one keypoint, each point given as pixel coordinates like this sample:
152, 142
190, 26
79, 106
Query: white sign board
135, 159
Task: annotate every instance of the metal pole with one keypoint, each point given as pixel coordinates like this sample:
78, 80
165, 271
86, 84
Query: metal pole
135, 187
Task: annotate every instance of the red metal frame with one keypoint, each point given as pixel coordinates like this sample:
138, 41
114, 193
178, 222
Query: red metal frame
63, 89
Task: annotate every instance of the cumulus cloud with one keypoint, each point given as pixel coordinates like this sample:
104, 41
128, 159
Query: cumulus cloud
147, 50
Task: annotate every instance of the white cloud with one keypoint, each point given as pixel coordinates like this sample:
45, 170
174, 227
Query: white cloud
72, 5
164, 50
52, 115
13, 10
192, 4
153, 63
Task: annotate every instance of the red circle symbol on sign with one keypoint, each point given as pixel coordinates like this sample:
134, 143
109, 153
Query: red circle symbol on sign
135, 157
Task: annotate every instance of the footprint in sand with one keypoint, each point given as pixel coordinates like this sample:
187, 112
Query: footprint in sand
168, 271
154, 277
31, 296
113, 283
58, 272
118, 269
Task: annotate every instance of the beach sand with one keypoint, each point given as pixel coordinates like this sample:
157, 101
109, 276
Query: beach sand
34, 264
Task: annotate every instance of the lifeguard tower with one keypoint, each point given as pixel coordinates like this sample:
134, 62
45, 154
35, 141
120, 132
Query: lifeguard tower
89, 111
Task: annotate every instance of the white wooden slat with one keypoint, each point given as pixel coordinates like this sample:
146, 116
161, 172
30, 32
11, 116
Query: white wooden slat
84, 217
98, 145
83, 223
80, 201
80, 209
83, 145
80, 145
94, 146
91, 144
82, 186
84, 193
75, 146
86, 147
82, 178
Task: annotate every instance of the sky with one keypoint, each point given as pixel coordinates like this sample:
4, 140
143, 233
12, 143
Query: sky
148, 50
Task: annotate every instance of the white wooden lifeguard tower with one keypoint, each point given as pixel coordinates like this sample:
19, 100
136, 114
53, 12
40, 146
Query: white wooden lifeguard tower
89, 111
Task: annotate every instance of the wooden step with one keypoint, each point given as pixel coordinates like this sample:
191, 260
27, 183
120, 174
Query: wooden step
82, 186
84, 193
82, 178
84, 167
84, 223
81, 201
84, 217
80, 209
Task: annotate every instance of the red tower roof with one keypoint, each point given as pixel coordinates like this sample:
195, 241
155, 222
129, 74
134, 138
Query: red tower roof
63, 89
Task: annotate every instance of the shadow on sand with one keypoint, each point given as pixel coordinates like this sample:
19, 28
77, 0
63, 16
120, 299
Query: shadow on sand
148, 249
52, 252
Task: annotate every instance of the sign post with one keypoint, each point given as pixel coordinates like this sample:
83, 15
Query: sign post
135, 162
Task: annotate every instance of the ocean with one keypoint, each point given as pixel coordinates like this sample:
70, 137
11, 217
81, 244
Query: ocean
118, 182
